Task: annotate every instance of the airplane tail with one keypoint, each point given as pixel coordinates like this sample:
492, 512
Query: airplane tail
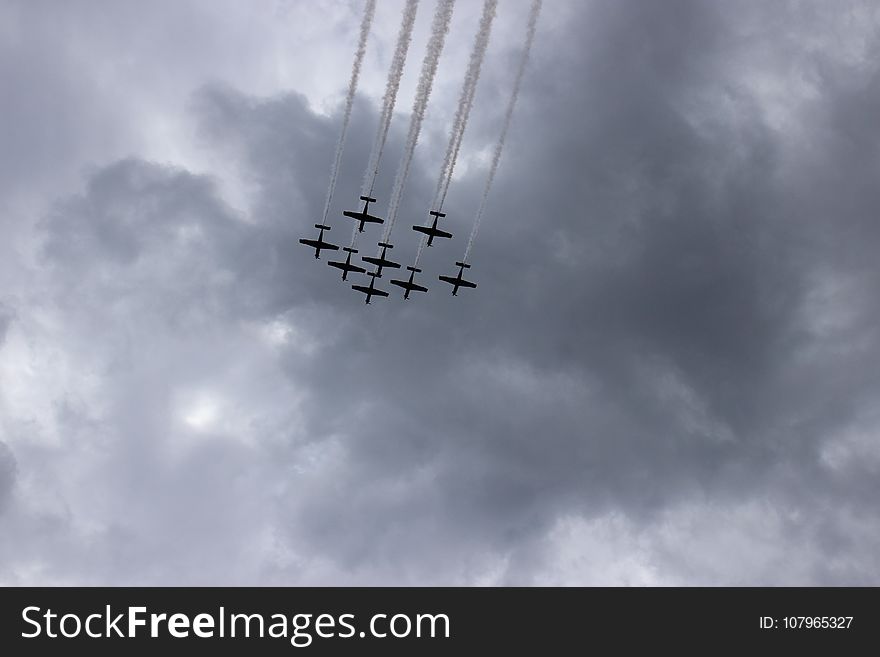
368, 199
414, 269
437, 213
388, 246
322, 226
349, 249
463, 264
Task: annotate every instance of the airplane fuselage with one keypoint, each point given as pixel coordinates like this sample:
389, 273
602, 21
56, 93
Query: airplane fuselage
458, 281
363, 216
381, 262
370, 291
319, 243
432, 231
347, 266
409, 286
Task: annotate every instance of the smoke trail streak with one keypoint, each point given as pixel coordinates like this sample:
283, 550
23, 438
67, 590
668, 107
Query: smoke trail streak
465, 103
496, 156
366, 22
439, 29
392, 86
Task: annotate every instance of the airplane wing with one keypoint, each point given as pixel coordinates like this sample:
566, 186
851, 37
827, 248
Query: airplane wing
381, 261
464, 283
406, 285
448, 279
376, 292
360, 216
349, 267
428, 230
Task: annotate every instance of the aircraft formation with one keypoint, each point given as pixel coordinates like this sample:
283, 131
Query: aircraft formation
429, 231
381, 261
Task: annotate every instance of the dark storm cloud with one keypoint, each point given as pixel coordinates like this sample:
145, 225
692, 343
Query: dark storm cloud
645, 274
669, 361
671, 344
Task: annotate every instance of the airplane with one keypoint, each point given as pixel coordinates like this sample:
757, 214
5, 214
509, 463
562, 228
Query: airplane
370, 291
347, 266
381, 261
458, 281
409, 286
363, 216
319, 243
433, 231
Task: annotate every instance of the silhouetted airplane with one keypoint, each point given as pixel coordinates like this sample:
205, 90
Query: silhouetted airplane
409, 286
458, 281
363, 216
347, 266
370, 291
381, 261
432, 231
319, 243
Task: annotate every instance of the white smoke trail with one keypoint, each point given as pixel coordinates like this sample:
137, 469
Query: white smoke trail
496, 156
392, 86
439, 29
366, 22
465, 103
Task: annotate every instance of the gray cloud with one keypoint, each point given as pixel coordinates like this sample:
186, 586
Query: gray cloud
7, 474
7, 459
6, 318
665, 375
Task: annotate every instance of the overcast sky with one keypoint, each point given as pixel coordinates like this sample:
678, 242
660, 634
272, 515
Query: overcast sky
668, 374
